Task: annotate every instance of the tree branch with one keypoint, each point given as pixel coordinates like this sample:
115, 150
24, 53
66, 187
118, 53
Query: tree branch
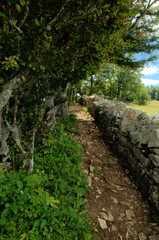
16, 27
8, 88
31, 148
15, 110
91, 6
149, 5
25, 15
58, 16
16, 136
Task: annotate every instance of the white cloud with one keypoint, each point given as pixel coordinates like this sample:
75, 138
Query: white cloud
150, 70
156, 4
146, 81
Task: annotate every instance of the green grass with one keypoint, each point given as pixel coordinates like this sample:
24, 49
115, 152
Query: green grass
151, 108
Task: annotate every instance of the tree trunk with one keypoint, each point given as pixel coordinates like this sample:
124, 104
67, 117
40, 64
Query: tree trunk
61, 101
4, 148
91, 90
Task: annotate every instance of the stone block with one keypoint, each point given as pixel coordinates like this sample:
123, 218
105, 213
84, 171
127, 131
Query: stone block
154, 159
128, 120
154, 174
154, 139
155, 150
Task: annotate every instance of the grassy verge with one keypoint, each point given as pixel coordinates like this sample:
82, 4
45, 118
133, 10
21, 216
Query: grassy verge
50, 203
151, 108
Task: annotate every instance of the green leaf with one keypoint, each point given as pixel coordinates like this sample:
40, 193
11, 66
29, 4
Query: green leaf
42, 67
23, 236
1, 171
2, 14
37, 22
7, 205
36, 223
5, 27
32, 180
22, 2
4, 213
43, 223
22, 62
15, 209
20, 184
2, 194
3, 221
18, 7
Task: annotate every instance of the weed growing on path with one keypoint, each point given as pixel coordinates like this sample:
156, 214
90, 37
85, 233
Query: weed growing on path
86, 110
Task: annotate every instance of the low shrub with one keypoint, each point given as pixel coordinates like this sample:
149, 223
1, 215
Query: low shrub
50, 203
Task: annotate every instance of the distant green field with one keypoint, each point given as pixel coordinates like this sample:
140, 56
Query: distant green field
150, 108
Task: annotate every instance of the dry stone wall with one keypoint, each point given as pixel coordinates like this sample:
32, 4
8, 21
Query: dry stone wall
135, 137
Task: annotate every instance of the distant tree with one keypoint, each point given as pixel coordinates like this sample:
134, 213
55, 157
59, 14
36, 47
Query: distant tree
153, 92
142, 97
123, 84
157, 94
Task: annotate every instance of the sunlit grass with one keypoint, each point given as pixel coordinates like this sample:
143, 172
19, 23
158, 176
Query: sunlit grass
151, 108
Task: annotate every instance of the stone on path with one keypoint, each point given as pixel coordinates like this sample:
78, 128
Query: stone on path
89, 180
85, 171
103, 215
107, 216
91, 175
99, 191
127, 235
142, 236
97, 196
114, 228
91, 168
102, 223
120, 236
114, 200
110, 217
121, 217
129, 215
154, 237
96, 178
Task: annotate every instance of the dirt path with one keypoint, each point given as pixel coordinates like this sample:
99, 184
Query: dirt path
118, 210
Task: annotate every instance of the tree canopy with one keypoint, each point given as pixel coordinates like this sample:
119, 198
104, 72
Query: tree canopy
46, 44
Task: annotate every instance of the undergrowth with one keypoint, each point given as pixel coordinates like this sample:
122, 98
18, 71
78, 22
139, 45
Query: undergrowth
85, 109
50, 203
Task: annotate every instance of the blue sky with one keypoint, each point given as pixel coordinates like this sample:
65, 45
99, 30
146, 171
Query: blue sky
150, 73
151, 70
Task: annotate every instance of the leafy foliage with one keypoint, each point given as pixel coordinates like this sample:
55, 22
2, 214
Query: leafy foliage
153, 92
69, 123
122, 84
50, 203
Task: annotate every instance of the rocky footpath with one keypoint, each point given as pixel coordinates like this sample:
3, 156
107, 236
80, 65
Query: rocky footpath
135, 137
116, 206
